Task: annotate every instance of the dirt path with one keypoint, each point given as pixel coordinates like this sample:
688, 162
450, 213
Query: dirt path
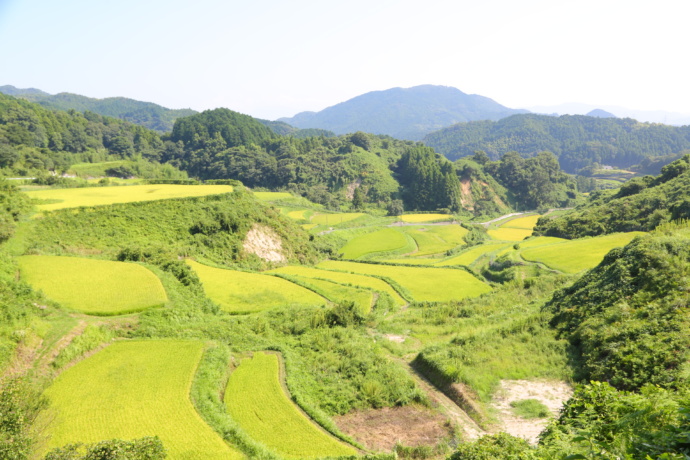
49, 356
486, 224
456, 414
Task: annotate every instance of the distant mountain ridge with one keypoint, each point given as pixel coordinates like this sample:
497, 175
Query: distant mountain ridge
403, 113
147, 114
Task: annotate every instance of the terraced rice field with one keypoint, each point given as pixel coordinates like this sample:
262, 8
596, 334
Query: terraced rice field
435, 239
243, 292
339, 293
384, 240
419, 218
423, 283
99, 196
335, 219
577, 255
133, 389
527, 222
362, 281
300, 214
256, 399
470, 255
97, 287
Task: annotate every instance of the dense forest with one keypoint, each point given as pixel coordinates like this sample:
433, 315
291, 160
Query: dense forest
577, 141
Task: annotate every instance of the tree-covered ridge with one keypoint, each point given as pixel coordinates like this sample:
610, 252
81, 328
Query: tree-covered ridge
641, 204
33, 138
147, 114
576, 140
627, 319
404, 113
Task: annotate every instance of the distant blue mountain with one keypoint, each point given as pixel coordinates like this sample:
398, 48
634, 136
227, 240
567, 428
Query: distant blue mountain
404, 113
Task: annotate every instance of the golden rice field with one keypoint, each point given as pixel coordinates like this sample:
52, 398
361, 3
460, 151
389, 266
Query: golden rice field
413, 261
435, 239
576, 255
99, 196
335, 219
133, 389
242, 292
419, 218
97, 287
423, 283
384, 240
527, 222
308, 226
541, 241
256, 400
362, 281
515, 229
300, 214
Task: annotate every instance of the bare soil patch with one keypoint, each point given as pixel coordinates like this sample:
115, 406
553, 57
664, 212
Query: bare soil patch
381, 429
551, 393
265, 243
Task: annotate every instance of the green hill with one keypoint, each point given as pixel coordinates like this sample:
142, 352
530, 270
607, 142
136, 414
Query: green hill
404, 113
640, 205
147, 114
577, 140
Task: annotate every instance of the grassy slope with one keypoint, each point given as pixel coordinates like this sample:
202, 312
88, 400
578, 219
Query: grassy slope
133, 389
257, 401
91, 286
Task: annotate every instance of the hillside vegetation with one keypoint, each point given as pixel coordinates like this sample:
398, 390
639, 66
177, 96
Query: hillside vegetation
576, 140
639, 205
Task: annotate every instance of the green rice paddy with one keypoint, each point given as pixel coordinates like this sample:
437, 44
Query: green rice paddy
339, 293
423, 283
242, 292
435, 239
384, 240
577, 255
133, 389
472, 254
256, 399
97, 287
99, 196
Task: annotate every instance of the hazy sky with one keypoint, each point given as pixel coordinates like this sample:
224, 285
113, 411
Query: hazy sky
272, 58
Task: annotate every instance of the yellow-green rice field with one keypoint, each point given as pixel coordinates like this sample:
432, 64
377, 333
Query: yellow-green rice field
243, 292
577, 255
133, 389
470, 255
418, 218
97, 287
423, 283
335, 219
435, 239
98, 196
362, 281
256, 400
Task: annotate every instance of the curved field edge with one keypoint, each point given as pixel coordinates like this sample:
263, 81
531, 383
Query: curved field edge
94, 286
256, 399
132, 389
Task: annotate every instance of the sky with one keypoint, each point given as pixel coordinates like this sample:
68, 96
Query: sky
275, 58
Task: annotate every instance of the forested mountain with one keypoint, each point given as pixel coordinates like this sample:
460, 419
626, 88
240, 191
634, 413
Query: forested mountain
147, 114
404, 113
576, 140
641, 204
34, 138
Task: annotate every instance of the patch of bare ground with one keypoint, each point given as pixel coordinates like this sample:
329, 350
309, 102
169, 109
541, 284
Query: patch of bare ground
265, 243
395, 338
382, 429
553, 394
